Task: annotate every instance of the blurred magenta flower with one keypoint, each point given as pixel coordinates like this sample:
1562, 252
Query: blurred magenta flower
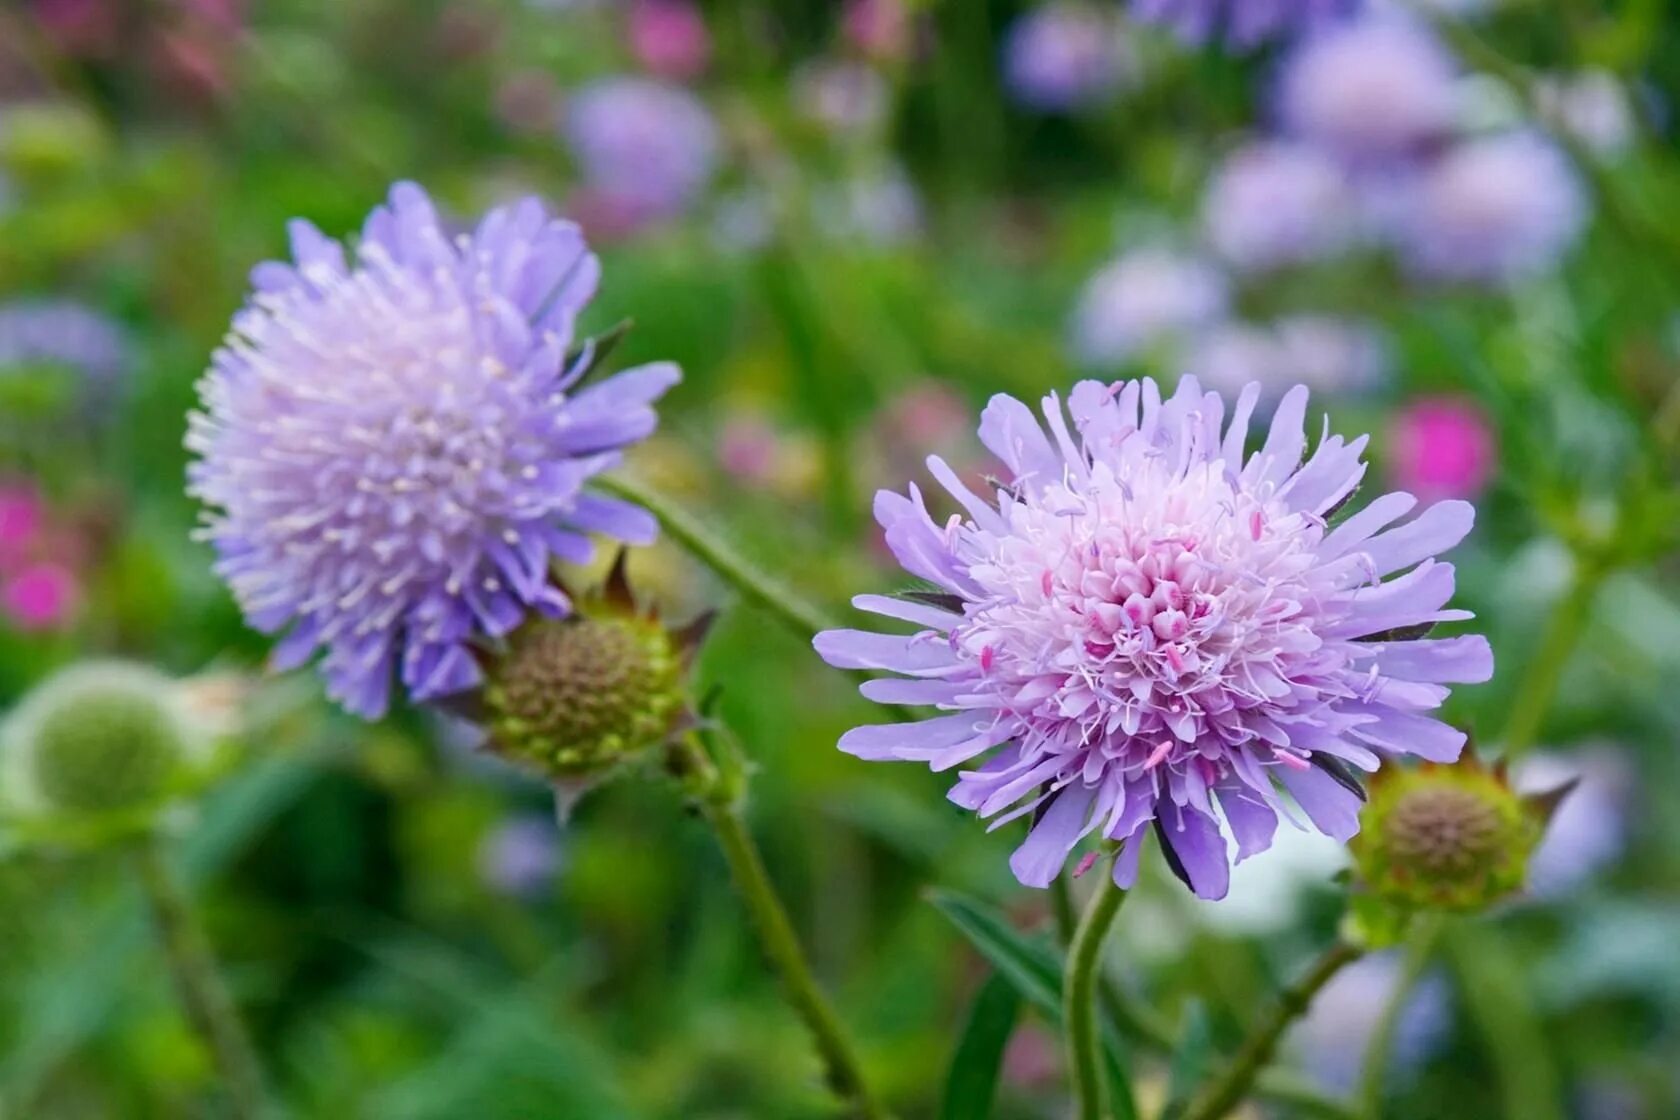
1152, 629
394, 444
645, 148
1441, 447
22, 516
1494, 209
669, 38
1376, 89
41, 595
878, 29
1065, 55
1274, 203
1241, 23
1142, 299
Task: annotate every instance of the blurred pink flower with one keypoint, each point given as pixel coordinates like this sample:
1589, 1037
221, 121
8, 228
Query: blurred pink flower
747, 450
669, 38
42, 596
877, 28
1441, 447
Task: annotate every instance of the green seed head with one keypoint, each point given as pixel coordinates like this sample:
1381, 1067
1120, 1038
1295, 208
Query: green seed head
1446, 837
575, 698
100, 738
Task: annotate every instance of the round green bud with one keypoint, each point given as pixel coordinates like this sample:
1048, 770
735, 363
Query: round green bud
1445, 837
573, 698
100, 738
46, 141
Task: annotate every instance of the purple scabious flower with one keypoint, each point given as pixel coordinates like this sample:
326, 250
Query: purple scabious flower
1241, 23
1144, 299
645, 147
1064, 56
394, 443
1494, 210
1277, 203
1151, 629
1371, 91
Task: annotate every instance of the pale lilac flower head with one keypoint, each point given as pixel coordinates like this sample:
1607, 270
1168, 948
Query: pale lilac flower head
842, 95
1143, 299
1275, 203
669, 37
1064, 55
61, 332
1493, 210
644, 147
394, 442
1241, 23
1324, 353
1589, 829
1376, 89
1591, 106
521, 856
1147, 627
1442, 447
1333, 1037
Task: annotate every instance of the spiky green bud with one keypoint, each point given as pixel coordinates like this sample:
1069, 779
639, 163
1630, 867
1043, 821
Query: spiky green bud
575, 698
1452, 838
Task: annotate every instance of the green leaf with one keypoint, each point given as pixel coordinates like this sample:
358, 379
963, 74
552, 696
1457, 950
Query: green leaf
1034, 966
972, 1081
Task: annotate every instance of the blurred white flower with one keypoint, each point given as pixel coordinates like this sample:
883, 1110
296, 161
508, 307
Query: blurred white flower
1141, 299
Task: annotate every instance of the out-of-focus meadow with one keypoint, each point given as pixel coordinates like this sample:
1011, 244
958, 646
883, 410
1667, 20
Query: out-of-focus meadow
850, 223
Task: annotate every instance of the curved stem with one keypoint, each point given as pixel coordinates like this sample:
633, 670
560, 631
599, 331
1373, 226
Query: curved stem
1538, 687
719, 790
1425, 935
198, 982
1256, 1050
1079, 1006
756, 586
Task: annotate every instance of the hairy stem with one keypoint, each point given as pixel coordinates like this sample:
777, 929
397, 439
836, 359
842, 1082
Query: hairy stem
1079, 1005
198, 982
718, 789
1233, 1085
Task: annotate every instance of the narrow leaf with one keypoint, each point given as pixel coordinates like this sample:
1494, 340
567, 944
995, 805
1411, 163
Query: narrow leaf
972, 1082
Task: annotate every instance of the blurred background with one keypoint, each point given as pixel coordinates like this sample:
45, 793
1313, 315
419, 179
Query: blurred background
850, 222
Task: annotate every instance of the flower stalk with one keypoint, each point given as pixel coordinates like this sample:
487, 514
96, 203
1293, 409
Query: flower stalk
1079, 1003
718, 785
198, 983
1230, 1087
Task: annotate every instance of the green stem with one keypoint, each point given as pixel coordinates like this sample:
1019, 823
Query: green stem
1079, 1005
198, 983
1538, 687
1421, 942
719, 792
1230, 1088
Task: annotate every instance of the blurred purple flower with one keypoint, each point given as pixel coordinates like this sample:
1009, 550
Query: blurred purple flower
1275, 203
1376, 89
1324, 353
841, 95
1589, 829
391, 450
1142, 299
1332, 1039
1152, 630
61, 332
1592, 107
644, 147
1441, 447
1064, 55
1495, 210
521, 856
669, 38
1241, 23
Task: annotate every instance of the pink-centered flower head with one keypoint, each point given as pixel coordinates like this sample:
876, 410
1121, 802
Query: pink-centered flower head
1150, 628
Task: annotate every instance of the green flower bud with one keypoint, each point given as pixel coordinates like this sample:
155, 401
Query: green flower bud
1447, 837
574, 698
98, 738
47, 141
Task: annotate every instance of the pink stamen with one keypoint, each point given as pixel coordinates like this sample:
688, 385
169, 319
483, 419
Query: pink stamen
1047, 583
987, 656
1085, 864
1255, 523
1293, 761
1158, 755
